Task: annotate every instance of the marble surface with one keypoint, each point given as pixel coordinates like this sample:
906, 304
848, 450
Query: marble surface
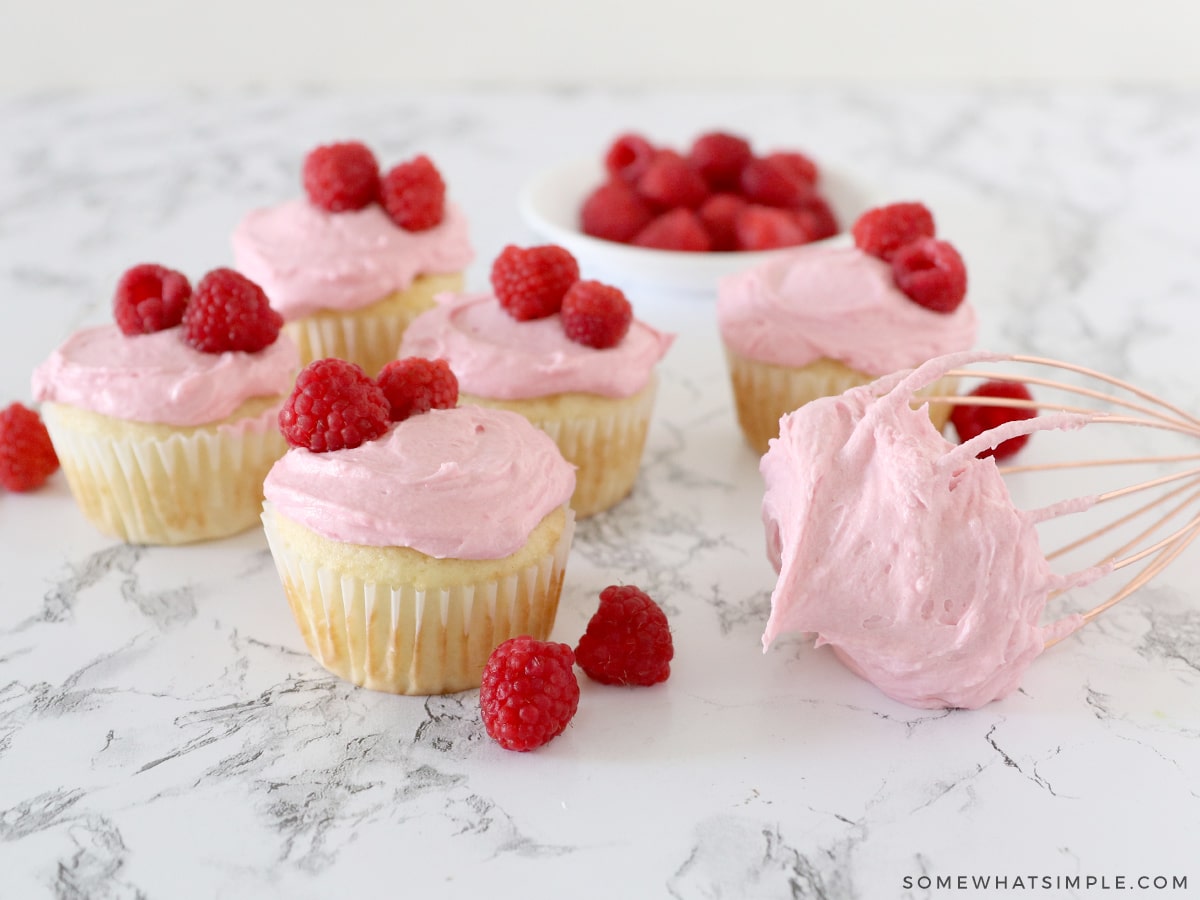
164, 734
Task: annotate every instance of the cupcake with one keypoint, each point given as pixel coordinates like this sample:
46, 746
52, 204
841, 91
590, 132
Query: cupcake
351, 263
821, 319
565, 353
165, 423
410, 550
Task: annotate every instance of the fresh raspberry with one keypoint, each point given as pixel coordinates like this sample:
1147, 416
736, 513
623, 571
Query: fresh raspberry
229, 312
614, 212
416, 385
719, 217
718, 157
772, 182
796, 163
970, 421
818, 218
150, 298
27, 457
595, 314
341, 177
530, 283
931, 273
767, 228
628, 640
669, 182
414, 194
529, 692
679, 229
334, 406
628, 157
884, 230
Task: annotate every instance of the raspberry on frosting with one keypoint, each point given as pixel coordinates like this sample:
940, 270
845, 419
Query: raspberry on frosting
150, 298
229, 312
414, 194
335, 405
596, 314
931, 273
530, 283
884, 230
628, 639
529, 692
972, 420
415, 385
341, 177
27, 457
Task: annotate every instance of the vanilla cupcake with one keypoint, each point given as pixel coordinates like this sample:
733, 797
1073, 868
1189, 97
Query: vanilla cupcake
349, 265
163, 442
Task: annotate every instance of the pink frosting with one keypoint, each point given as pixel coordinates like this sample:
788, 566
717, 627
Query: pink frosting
834, 302
495, 356
307, 259
906, 553
159, 378
464, 483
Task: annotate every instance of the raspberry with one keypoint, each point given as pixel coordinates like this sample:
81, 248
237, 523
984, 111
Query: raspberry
628, 640
27, 457
341, 177
669, 182
970, 421
718, 157
530, 283
772, 182
818, 218
416, 385
614, 212
529, 692
334, 406
414, 194
229, 312
767, 228
796, 163
150, 298
679, 229
595, 314
931, 273
719, 215
628, 157
884, 230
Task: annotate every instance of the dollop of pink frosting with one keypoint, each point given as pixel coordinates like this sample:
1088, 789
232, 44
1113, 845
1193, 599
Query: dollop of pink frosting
463, 483
159, 377
495, 356
308, 259
905, 553
834, 302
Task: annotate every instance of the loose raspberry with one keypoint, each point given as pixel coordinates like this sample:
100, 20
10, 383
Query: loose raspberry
628, 640
341, 177
595, 314
719, 217
884, 230
679, 229
614, 212
529, 692
628, 157
718, 157
797, 163
150, 298
415, 385
414, 194
530, 283
771, 182
27, 457
669, 182
818, 218
931, 273
334, 406
767, 228
971, 421
229, 312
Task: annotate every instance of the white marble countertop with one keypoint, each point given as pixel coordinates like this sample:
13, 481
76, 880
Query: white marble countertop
164, 734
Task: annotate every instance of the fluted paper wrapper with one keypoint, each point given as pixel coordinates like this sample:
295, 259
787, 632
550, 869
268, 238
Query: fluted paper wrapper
396, 638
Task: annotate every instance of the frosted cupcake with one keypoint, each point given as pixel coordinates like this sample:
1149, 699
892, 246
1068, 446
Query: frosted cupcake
821, 319
412, 551
566, 354
349, 265
165, 433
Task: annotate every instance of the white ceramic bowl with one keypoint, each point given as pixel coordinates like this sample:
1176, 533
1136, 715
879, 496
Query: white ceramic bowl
550, 203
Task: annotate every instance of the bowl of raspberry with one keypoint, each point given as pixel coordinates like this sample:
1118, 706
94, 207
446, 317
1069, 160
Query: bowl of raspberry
652, 215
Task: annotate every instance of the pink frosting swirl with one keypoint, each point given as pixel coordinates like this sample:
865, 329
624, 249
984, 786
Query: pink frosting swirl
307, 259
463, 483
495, 356
160, 378
831, 302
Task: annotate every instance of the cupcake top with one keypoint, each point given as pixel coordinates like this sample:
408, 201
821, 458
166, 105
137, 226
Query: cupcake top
837, 303
159, 377
462, 483
497, 356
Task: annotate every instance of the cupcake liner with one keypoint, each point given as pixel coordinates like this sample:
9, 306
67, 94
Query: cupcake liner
397, 638
189, 485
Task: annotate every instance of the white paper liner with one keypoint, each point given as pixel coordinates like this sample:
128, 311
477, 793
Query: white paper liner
396, 638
